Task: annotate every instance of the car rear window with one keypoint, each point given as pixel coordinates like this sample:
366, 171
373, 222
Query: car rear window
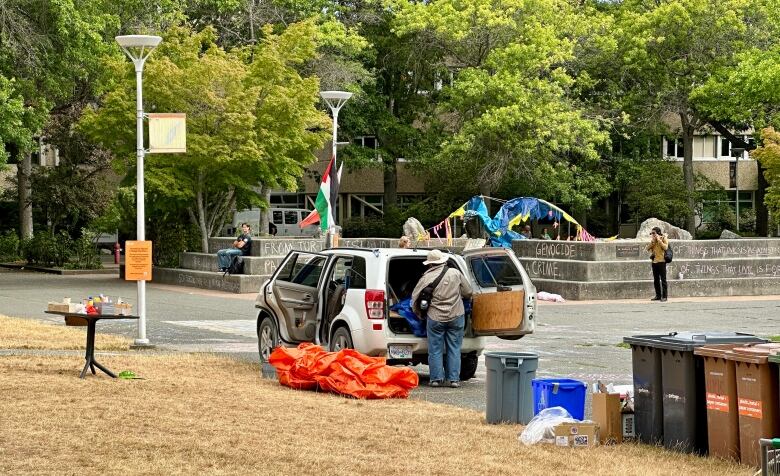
493, 271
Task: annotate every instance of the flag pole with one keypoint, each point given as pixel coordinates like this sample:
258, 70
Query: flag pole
335, 100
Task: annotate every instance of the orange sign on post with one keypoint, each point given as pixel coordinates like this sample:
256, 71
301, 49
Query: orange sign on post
138, 260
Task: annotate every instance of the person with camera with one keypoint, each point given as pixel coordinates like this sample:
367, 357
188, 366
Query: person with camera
438, 297
658, 246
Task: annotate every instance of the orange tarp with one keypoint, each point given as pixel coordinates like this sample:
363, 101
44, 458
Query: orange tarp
346, 372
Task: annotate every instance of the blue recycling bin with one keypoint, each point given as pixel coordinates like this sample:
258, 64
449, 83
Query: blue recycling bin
559, 392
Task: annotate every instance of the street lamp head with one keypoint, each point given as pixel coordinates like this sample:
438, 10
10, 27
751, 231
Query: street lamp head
138, 47
335, 99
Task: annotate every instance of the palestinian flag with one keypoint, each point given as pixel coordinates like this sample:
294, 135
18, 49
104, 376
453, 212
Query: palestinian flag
326, 199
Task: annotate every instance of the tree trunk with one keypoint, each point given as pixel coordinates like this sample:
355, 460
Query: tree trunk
265, 213
201, 216
687, 136
25, 201
390, 183
762, 212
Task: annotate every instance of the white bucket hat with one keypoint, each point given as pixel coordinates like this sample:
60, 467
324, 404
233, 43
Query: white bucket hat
435, 257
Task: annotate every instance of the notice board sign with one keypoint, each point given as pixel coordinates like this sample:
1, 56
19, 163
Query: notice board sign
627, 251
138, 260
167, 133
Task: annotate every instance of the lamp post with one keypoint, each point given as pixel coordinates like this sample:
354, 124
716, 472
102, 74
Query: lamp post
335, 100
737, 152
138, 48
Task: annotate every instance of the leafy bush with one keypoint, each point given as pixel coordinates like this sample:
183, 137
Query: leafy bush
9, 247
45, 249
84, 255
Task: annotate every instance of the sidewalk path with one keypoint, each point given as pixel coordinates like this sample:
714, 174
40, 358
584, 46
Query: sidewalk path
573, 339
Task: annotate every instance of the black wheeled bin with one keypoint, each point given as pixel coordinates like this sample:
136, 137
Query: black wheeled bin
669, 391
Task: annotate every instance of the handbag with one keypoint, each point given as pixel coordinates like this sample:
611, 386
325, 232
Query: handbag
426, 295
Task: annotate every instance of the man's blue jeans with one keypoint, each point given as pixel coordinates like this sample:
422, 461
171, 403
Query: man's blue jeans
445, 337
225, 256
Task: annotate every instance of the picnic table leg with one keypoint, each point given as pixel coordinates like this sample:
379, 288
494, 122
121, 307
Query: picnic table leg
90, 353
110, 373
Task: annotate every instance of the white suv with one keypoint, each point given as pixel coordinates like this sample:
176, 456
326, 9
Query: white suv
341, 298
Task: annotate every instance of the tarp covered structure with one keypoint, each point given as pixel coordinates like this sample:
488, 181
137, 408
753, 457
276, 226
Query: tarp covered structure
514, 212
346, 372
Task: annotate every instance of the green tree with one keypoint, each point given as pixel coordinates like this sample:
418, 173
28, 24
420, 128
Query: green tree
769, 157
670, 49
511, 118
248, 123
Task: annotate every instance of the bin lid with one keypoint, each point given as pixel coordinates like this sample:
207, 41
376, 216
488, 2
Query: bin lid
689, 340
718, 350
755, 354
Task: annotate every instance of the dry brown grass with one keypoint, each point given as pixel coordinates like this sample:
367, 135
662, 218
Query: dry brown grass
197, 414
16, 333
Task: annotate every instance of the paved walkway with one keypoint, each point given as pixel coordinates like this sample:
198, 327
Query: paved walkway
573, 339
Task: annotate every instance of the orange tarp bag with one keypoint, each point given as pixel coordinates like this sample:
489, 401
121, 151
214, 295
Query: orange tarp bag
346, 372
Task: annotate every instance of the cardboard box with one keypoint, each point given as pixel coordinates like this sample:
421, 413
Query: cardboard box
606, 414
577, 434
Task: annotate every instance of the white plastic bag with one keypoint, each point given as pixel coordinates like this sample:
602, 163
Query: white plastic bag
541, 427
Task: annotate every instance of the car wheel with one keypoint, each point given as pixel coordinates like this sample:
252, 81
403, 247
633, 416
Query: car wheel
342, 339
512, 337
267, 338
468, 366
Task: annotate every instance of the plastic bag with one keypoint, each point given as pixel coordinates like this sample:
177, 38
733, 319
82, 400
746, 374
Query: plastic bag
541, 427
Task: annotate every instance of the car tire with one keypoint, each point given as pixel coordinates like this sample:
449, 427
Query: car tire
341, 339
468, 366
267, 337
511, 337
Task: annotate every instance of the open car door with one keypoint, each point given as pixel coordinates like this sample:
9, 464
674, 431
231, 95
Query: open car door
504, 302
296, 289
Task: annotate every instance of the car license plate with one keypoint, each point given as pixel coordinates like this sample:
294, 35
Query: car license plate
398, 351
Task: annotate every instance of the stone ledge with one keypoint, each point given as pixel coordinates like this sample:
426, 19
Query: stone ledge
237, 283
632, 250
598, 290
621, 270
254, 265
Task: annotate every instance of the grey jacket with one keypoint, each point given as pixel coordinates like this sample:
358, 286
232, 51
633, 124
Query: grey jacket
447, 301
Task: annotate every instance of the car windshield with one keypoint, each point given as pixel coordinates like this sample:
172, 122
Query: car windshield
494, 271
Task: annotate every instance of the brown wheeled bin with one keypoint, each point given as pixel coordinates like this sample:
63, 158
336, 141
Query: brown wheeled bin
720, 385
757, 398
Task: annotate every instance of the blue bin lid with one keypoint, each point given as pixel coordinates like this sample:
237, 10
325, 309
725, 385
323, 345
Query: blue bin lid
689, 340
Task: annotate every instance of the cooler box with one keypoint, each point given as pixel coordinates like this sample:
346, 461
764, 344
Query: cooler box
560, 392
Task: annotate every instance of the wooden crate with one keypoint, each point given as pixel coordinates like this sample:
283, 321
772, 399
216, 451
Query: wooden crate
497, 311
75, 321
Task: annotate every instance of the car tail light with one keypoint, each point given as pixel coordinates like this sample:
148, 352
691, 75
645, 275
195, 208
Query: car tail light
375, 304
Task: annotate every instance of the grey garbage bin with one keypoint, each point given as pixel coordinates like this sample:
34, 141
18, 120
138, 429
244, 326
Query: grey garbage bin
509, 397
669, 393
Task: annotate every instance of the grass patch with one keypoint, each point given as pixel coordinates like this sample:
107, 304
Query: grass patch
16, 333
623, 345
774, 338
197, 413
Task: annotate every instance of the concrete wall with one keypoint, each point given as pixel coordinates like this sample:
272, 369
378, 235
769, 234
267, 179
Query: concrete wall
633, 250
621, 269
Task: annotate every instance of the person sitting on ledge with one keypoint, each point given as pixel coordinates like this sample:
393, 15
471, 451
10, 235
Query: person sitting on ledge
241, 246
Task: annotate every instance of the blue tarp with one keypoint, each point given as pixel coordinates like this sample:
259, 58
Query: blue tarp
517, 209
404, 308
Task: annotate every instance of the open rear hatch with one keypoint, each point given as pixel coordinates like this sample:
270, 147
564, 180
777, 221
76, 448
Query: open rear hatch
504, 300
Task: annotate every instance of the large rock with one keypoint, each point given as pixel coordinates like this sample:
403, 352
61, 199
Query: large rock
729, 235
671, 231
414, 229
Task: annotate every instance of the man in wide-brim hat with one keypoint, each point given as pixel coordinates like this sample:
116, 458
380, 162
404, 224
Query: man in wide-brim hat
446, 318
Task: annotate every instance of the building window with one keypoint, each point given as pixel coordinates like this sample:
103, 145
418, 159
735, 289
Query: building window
711, 207
365, 206
366, 141
406, 200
